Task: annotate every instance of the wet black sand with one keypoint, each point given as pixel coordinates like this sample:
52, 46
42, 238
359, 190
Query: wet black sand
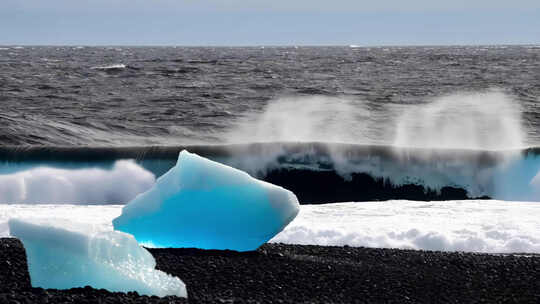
298, 274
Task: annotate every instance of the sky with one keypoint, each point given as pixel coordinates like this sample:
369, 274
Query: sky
263, 22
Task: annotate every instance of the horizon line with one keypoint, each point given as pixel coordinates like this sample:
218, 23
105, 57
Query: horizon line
351, 45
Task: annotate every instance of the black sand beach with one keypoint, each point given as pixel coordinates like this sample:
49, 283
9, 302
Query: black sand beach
307, 274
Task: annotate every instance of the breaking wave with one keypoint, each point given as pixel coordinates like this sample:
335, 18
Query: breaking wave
315, 172
119, 184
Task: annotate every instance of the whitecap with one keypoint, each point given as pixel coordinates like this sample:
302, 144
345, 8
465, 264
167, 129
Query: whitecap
118, 66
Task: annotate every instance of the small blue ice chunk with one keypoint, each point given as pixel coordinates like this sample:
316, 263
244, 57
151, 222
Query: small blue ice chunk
200, 203
63, 255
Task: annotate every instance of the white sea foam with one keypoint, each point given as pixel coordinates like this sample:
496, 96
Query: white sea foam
100, 216
476, 226
120, 184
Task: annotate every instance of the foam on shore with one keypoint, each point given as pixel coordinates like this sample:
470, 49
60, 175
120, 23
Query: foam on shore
474, 226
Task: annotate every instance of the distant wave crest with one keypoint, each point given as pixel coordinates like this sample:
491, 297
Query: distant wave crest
111, 67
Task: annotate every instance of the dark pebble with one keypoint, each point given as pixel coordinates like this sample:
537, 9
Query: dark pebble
278, 273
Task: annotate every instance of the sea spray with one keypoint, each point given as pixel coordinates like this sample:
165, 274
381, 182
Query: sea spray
485, 121
305, 119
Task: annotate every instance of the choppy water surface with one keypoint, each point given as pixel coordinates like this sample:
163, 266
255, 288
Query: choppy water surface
126, 96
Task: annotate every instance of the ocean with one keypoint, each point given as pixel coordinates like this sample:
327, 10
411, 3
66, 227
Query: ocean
140, 96
371, 135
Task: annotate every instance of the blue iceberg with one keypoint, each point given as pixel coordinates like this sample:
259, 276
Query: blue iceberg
200, 203
62, 255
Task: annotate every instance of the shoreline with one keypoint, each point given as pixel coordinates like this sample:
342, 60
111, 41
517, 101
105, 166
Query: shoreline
307, 273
